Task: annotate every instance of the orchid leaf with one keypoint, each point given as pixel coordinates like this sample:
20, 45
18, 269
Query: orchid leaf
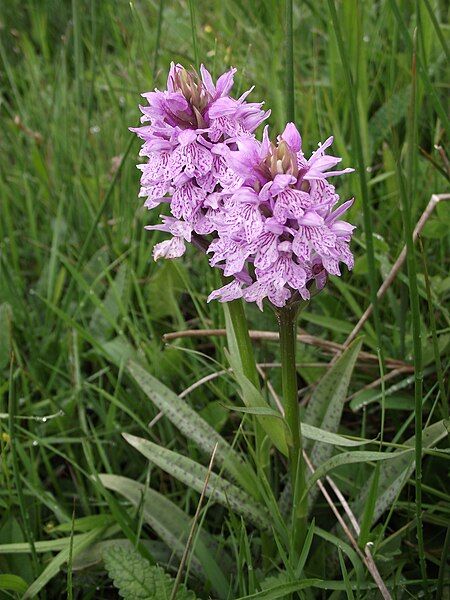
327, 401
191, 424
274, 427
394, 474
309, 432
194, 475
348, 458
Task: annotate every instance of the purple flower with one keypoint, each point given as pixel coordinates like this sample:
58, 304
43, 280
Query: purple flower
185, 129
281, 226
266, 213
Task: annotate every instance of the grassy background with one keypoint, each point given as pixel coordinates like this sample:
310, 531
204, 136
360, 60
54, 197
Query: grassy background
75, 262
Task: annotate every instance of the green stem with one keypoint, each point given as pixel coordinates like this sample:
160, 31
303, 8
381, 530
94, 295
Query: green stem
24, 509
408, 202
287, 319
442, 566
158, 39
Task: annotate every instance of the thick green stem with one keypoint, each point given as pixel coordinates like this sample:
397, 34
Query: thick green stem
287, 318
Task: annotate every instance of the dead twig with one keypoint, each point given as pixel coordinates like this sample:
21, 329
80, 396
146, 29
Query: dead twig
444, 158
325, 345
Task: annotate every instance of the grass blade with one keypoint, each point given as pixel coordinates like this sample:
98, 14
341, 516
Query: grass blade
440, 110
289, 41
12, 583
348, 588
158, 39
79, 543
194, 33
407, 198
443, 565
24, 511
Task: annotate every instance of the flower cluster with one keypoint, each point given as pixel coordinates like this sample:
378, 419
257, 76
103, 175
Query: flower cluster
265, 213
187, 124
281, 221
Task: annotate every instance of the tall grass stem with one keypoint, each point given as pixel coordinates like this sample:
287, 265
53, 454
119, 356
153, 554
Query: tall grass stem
158, 39
194, 33
289, 39
24, 509
366, 205
407, 196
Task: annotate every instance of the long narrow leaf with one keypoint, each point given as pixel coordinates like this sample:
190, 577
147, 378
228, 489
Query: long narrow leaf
308, 431
194, 475
327, 401
252, 398
349, 458
193, 426
395, 473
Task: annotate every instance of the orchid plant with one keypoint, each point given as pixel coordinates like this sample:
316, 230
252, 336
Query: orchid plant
267, 217
266, 214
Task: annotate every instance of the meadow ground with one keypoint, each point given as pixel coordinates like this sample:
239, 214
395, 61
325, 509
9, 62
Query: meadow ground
79, 293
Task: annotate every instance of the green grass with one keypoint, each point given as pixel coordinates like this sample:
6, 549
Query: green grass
79, 293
